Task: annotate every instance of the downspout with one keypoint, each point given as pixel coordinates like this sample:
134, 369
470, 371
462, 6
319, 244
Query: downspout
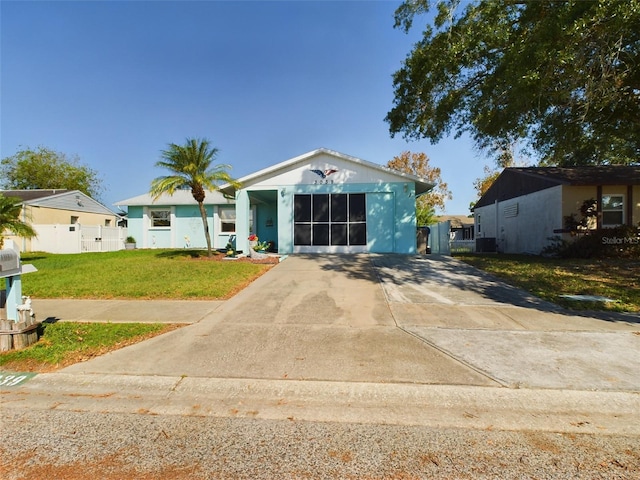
630, 205
24, 220
599, 207
496, 223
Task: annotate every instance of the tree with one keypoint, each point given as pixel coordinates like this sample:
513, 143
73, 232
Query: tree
563, 77
505, 158
192, 168
10, 209
44, 168
418, 164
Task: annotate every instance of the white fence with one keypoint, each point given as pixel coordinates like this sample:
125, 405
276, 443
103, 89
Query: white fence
463, 246
443, 241
78, 238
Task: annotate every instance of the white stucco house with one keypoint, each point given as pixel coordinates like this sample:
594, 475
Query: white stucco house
319, 202
526, 207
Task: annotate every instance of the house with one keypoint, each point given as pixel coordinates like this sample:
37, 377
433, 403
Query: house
461, 226
58, 217
174, 221
527, 207
319, 202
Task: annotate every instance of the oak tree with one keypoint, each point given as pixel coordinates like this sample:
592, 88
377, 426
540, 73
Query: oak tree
562, 78
43, 168
417, 163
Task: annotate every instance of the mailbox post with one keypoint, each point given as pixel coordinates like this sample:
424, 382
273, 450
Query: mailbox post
11, 270
20, 329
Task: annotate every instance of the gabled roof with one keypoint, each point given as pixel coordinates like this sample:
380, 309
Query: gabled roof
180, 197
517, 181
457, 221
26, 195
72, 200
422, 186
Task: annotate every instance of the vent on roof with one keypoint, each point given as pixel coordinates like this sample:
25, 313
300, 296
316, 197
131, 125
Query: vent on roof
511, 210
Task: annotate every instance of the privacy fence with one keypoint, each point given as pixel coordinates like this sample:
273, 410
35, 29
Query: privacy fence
76, 238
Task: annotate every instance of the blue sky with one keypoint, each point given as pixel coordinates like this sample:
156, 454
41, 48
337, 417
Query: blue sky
115, 82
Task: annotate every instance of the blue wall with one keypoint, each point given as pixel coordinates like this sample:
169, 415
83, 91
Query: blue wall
391, 220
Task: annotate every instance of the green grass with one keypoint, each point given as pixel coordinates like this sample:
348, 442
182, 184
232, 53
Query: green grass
549, 278
64, 343
137, 274
127, 274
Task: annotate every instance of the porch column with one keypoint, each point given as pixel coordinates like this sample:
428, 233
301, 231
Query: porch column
242, 220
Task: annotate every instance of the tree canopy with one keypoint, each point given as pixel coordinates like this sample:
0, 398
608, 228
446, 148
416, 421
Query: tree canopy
192, 167
561, 79
418, 164
44, 168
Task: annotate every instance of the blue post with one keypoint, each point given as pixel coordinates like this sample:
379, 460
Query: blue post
14, 296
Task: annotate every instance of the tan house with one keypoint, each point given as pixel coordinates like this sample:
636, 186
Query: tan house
526, 207
58, 216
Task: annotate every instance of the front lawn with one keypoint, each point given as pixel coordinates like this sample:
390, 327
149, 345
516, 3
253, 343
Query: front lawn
65, 343
137, 274
549, 278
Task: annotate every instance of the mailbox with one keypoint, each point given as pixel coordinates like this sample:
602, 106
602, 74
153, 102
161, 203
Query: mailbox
9, 263
11, 270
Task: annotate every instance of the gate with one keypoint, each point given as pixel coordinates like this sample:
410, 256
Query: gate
440, 238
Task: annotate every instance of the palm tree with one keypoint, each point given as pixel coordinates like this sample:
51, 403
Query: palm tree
10, 219
191, 165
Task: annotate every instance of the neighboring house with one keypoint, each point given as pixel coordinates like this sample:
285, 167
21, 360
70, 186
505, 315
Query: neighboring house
174, 221
58, 214
461, 226
526, 207
451, 234
319, 202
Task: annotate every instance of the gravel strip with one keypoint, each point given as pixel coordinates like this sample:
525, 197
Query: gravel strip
74, 445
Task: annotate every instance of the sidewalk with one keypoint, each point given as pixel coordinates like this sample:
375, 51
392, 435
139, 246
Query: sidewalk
124, 311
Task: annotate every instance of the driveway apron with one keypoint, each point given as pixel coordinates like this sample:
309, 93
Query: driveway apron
308, 318
389, 319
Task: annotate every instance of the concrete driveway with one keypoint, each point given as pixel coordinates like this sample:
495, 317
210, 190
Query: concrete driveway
389, 319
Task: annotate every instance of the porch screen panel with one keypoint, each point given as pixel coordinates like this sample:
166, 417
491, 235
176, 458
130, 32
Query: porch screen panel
321, 208
302, 234
358, 234
321, 234
302, 219
339, 207
339, 234
357, 219
330, 219
357, 207
302, 208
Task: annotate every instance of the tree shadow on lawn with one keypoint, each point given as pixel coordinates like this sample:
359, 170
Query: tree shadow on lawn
440, 273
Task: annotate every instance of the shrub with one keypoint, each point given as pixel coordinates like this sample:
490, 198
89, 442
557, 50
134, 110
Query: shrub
619, 242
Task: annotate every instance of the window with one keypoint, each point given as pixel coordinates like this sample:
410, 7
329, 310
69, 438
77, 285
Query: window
160, 218
227, 219
107, 223
612, 210
330, 219
74, 219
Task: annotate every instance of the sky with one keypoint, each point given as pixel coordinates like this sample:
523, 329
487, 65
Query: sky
114, 82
